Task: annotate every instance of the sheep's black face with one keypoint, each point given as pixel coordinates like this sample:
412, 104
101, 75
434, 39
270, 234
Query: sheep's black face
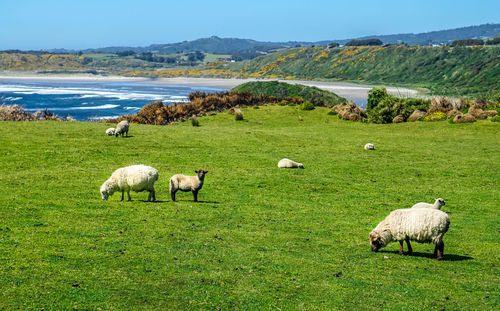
375, 242
201, 174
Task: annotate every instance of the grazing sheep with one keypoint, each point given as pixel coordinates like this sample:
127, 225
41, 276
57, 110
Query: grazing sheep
110, 131
187, 183
121, 128
369, 146
437, 204
135, 177
423, 225
287, 163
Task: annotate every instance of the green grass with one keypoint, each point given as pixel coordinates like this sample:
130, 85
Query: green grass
261, 237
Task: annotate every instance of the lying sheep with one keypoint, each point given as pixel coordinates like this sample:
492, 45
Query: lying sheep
187, 183
110, 131
369, 146
287, 163
135, 177
437, 204
423, 225
122, 128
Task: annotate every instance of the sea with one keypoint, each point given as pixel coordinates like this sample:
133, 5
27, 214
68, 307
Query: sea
91, 100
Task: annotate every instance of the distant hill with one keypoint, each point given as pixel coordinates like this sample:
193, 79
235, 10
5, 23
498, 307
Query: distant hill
218, 45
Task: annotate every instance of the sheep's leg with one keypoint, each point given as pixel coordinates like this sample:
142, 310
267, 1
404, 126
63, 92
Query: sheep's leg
149, 196
401, 248
128, 194
440, 250
410, 250
154, 195
172, 195
123, 193
195, 196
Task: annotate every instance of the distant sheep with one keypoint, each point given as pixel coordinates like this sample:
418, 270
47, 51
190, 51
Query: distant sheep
287, 163
135, 177
423, 225
122, 128
369, 146
437, 204
187, 183
110, 131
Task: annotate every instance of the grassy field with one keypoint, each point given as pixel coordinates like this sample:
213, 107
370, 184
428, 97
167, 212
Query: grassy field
261, 237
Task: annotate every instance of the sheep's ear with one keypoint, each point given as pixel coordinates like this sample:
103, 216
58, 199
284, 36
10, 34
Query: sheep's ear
205, 172
196, 171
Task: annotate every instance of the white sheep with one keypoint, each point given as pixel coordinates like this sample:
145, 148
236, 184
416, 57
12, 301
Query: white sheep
423, 225
135, 177
437, 204
110, 131
122, 128
369, 146
187, 183
287, 163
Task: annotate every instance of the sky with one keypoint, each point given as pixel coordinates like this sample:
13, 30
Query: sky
48, 24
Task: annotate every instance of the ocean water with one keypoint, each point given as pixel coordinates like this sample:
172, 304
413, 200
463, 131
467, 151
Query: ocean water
91, 100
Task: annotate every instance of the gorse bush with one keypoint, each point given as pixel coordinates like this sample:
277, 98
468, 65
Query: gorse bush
194, 121
495, 119
306, 106
375, 95
436, 116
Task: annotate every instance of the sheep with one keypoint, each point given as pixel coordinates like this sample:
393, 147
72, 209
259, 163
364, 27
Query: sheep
369, 146
135, 177
121, 128
187, 183
287, 163
423, 225
110, 131
437, 204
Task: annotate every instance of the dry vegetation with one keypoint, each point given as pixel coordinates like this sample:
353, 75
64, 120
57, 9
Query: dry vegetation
200, 104
16, 113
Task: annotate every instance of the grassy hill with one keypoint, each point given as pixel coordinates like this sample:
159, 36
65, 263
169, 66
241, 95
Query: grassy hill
261, 237
280, 89
444, 70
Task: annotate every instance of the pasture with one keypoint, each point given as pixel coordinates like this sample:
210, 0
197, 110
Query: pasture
261, 238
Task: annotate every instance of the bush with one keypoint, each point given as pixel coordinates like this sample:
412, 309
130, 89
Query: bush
306, 106
495, 119
366, 42
390, 107
374, 96
436, 116
332, 113
256, 107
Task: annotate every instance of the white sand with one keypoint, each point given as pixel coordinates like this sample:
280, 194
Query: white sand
347, 90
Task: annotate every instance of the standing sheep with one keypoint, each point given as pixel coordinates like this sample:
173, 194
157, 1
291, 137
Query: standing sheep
121, 128
369, 146
287, 163
437, 204
423, 225
110, 131
135, 177
187, 183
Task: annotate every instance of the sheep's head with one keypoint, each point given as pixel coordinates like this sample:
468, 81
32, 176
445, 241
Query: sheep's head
107, 189
376, 241
201, 174
301, 165
439, 202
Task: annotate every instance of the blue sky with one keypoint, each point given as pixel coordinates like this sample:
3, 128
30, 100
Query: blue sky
45, 24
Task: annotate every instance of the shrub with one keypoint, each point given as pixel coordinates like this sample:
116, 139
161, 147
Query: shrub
332, 113
282, 103
194, 121
374, 96
256, 107
495, 119
390, 106
306, 106
436, 116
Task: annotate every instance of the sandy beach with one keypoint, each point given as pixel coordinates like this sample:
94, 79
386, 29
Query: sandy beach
356, 92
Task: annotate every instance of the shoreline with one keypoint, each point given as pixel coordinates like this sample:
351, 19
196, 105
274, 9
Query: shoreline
351, 91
